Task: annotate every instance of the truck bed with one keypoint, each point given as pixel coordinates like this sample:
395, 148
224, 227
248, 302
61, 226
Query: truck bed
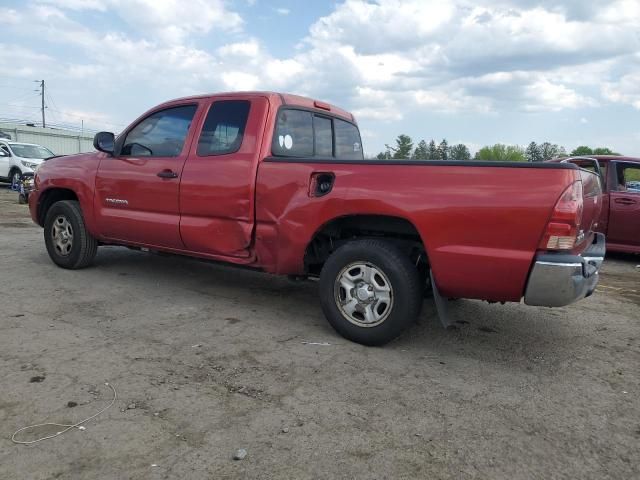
481, 222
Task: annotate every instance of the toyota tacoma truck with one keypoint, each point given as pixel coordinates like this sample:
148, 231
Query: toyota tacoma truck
279, 183
620, 217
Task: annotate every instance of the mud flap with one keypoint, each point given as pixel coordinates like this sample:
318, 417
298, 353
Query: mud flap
441, 303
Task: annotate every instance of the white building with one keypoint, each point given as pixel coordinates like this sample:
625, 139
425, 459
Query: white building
60, 142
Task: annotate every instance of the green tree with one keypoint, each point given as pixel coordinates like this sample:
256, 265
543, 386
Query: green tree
386, 155
421, 152
550, 150
403, 148
432, 152
581, 151
501, 153
443, 150
459, 152
533, 153
604, 151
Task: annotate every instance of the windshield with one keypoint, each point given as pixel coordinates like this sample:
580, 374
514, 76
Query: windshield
30, 151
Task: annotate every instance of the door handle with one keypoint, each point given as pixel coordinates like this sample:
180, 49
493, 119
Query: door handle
321, 183
167, 174
625, 201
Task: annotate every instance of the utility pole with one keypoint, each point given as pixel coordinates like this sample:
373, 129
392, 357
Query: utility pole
42, 95
41, 82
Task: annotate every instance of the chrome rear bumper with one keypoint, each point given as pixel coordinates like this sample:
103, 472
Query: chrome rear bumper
558, 279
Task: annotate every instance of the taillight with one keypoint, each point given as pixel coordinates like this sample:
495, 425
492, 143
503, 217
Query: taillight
563, 229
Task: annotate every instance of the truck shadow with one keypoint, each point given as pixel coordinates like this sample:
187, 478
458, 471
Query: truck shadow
623, 257
485, 332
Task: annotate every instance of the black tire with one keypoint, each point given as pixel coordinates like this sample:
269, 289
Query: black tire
83, 247
404, 280
22, 199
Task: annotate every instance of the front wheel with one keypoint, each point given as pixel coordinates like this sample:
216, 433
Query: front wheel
370, 291
69, 243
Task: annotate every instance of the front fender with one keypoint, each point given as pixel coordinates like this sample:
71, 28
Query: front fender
59, 176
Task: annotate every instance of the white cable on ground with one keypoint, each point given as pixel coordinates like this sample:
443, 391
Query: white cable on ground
69, 427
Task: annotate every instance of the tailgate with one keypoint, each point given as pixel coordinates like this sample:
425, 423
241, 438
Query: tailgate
592, 193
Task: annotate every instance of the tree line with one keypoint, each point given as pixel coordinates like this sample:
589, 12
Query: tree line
534, 152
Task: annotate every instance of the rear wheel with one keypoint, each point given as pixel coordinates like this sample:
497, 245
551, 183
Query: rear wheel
370, 291
69, 243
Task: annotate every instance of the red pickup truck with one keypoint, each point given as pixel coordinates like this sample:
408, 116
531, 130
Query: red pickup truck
279, 183
620, 217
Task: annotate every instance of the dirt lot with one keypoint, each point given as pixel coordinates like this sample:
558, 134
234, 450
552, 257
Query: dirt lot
208, 359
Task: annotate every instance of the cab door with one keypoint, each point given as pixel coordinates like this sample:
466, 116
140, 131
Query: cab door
136, 195
624, 205
218, 180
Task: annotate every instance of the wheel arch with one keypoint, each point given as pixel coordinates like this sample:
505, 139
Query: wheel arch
51, 196
337, 231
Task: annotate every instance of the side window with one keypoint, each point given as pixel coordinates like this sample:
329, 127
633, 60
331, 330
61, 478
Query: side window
323, 136
161, 134
5, 150
629, 178
348, 143
294, 134
223, 128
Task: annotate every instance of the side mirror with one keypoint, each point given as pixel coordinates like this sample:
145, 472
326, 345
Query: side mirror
104, 141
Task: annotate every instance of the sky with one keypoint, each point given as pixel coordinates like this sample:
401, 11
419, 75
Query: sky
477, 72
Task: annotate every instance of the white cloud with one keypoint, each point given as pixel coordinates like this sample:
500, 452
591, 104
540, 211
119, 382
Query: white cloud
283, 11
626, 90
384, 59
174, 20
544, 95
77, 4
250, 48
449, 101
9, 16
168, 20
240, 81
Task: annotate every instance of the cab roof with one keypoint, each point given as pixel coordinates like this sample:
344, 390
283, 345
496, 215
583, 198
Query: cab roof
282, 98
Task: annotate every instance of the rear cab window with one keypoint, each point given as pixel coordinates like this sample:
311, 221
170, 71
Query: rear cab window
223, 129
303, 133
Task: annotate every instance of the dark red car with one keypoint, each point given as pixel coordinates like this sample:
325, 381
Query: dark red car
279, 183
620, 217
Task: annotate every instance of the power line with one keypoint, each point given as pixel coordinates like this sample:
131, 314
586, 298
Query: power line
20, 106
13, 87
83, 117
47, 102
50, 101
23, 96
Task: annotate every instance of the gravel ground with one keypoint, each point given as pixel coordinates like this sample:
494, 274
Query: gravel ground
208, 360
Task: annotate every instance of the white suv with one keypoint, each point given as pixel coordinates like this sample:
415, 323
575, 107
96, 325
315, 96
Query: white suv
18, 158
